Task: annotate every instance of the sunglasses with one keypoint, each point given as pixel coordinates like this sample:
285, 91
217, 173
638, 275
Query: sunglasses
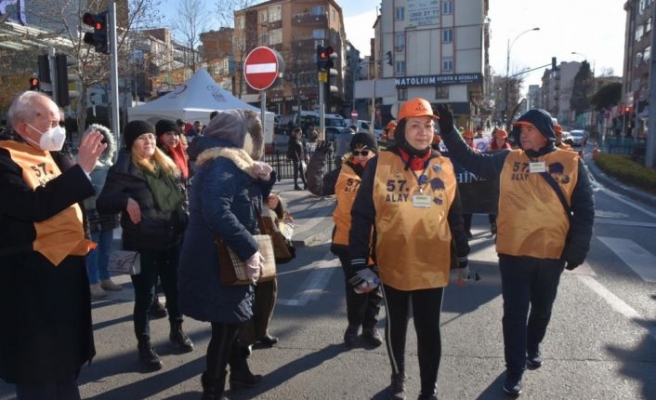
363, 153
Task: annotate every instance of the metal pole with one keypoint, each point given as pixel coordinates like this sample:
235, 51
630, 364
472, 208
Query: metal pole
322, 111
263, 112
373, 105
113, 78
650, 150
53, 74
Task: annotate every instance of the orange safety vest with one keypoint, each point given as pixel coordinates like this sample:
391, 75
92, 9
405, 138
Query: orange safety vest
346, 187
531, 219
413, 246
60, 235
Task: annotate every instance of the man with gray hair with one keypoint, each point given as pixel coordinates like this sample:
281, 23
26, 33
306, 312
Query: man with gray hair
44, 294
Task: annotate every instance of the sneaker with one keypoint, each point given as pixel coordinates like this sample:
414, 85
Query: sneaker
396, 389
351, 335
371, 337
97, 292
108, 285
534, 362
512, 387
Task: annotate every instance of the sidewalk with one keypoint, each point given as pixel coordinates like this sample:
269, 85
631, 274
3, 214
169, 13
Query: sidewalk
614, 184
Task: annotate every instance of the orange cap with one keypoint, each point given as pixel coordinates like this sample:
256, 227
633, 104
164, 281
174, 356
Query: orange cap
558, 128
416, 107
391, 125
468, 134
500, 133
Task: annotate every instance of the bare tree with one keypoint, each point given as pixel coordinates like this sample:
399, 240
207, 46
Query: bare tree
226, 10
63, 20
192, 18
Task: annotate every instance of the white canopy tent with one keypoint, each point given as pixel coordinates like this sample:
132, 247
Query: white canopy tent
194, 101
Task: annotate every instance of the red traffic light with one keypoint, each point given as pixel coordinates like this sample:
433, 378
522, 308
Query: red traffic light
34, 81
88, 19
627, 110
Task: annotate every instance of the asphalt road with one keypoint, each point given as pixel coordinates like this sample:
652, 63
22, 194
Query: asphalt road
601, 343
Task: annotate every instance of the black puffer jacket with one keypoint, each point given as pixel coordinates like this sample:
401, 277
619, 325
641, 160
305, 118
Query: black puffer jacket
157, 230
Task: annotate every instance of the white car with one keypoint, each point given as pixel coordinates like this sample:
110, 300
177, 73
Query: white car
577, 137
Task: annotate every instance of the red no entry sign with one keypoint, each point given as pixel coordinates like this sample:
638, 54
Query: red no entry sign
262, 67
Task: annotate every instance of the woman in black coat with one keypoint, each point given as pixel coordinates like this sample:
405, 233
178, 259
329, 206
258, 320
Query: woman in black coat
144, 186
295, 152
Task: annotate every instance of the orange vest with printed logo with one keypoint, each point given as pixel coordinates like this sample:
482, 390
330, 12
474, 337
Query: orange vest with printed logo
532, 220
60, 235
346, 188
413, 246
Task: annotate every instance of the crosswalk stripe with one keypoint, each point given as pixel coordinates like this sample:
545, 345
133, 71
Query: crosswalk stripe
637, 258
315, 284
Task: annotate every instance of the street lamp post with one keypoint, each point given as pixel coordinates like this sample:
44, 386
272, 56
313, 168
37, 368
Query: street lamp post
508, 49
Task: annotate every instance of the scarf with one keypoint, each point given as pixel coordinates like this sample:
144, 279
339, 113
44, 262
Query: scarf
166, 193
179, 157
415, 163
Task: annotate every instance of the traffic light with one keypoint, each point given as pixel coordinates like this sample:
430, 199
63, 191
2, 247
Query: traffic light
554, 64
324, 60
627, 110
389, 58
34, 84
99, 36
64, 80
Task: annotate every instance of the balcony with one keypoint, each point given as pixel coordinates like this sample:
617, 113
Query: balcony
308, 18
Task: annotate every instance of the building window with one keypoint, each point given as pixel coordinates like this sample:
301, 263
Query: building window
318, 10
647, 54
648, 25
447, 8
263, 16
402, 94
319, 34
640, 30
264, 39
637, 59
447, 65
275, 12
399, 68
275, 36
399, 42
447, 35
442, 92
239, 22
399, 13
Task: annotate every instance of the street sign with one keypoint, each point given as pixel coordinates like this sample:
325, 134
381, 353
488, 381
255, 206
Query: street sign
323, 76
354, 114
262, 67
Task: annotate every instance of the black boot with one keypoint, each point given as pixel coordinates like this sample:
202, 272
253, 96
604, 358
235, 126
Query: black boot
147, 355
157, 310
179, 339
240, 374
212, 388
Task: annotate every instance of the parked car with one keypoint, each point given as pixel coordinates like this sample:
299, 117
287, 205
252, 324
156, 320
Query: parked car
577, 137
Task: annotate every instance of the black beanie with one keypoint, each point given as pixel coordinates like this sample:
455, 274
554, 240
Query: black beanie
134, 129
166, 125
364, 140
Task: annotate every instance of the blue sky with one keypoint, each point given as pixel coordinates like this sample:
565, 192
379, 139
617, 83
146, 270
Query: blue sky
595, 29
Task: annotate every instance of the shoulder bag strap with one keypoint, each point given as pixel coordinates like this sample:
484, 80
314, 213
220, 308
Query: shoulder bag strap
554, 185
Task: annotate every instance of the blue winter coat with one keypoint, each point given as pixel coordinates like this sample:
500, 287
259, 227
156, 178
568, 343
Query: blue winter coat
222, 200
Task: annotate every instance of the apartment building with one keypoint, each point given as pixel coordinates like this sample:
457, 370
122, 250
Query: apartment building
437, 53
294, 28
638, 46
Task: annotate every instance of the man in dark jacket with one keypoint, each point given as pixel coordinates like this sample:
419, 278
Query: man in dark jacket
46, 333
545, 220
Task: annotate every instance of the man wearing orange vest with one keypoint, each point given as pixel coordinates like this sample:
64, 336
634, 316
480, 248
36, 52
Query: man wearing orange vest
46, 333
544, 225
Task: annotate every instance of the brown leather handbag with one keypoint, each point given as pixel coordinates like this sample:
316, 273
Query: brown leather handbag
233, 270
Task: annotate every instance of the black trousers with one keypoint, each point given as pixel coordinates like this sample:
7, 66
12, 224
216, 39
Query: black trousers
263, 304
222, 345
298, 168
362, 309
426, 307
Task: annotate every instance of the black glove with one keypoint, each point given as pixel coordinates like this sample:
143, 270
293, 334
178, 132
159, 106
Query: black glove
446, 118
571, 266
324, 147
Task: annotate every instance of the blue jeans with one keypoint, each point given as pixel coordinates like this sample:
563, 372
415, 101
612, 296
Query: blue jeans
526, 282
154, 264
98, 259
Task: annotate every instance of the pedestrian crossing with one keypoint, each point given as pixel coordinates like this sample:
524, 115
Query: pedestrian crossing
641, 261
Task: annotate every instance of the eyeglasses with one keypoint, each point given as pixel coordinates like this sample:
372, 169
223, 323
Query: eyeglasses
363, 153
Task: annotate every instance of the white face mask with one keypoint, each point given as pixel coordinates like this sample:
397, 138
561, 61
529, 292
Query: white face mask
51, 140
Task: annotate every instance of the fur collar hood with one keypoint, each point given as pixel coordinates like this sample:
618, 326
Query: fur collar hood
239, 157
108, 156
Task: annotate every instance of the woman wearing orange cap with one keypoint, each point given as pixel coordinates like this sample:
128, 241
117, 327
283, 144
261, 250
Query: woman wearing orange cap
409, 196
388, 134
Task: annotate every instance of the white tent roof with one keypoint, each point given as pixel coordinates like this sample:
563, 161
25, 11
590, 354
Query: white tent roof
194, 100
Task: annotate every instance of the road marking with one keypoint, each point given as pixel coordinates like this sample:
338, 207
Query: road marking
315, 284
616, 303
635, 224
638, 259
